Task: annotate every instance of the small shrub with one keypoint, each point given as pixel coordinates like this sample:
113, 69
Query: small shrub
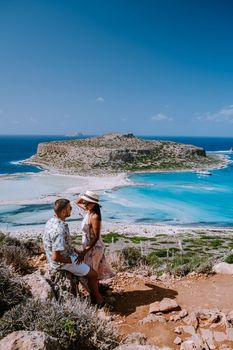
132, 256
116, 260
216, 243
229, 259
184, 264
205, 267
17, 253
17, 257
32, 246
74, 324
111, 237
12, 290
152, 259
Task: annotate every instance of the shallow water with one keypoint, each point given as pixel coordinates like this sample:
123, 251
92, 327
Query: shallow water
175, 198
168, 198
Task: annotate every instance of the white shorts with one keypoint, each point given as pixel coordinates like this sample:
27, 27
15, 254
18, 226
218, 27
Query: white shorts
81, 269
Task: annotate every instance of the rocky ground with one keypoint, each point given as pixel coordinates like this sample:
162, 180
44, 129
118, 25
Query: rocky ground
175, 312
151, 304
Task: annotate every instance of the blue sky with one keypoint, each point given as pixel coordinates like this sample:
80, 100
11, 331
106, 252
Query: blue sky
161, 67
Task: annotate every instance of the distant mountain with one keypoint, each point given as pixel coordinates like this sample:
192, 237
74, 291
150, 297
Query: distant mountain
75, 134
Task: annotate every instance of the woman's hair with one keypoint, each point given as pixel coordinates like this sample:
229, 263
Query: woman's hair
96, 210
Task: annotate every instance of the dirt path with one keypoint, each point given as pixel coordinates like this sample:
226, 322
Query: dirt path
191, 293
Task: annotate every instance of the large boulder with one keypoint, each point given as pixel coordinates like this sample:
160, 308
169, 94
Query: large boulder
25, 340
223, 268
39, 286
165, 305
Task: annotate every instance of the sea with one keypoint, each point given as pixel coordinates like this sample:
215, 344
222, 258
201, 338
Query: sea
173, 198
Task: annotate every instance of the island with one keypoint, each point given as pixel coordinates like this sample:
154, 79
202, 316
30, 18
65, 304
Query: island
120, 152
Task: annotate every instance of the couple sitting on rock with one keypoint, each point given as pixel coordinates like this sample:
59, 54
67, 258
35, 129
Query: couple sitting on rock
90, 261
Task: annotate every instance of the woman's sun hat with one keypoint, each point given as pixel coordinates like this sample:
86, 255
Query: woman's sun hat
91, 197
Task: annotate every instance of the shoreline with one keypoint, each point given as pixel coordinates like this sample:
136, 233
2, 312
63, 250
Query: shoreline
127, 229
97, 183
222, 159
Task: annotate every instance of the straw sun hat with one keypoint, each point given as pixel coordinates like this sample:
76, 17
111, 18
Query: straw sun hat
91, 197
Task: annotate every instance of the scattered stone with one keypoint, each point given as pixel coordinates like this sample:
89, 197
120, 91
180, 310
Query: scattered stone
153, 278
178, 330
192, 320
198, 341
229, 334
178, 341
183, 313
230, 317
188, 329
39, 287
189, 345
208, 336
136, 338
140, 347
165, 305
154, 307
25, 340
220, 336
153, 318
223, 268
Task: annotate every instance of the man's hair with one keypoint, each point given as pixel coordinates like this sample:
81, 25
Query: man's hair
60, 204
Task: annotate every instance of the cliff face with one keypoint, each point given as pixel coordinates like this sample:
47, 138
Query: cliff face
113, 153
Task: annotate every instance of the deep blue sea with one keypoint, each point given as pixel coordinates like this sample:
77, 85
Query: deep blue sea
15, 148
166, 198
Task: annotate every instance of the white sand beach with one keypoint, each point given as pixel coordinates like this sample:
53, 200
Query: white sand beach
44, 187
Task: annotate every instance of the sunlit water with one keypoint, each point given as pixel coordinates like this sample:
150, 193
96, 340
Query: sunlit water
168, 198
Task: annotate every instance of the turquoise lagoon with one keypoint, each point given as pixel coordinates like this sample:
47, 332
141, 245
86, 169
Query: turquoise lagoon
180, 198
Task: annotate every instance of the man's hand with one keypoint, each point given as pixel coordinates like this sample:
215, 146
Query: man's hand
80, 257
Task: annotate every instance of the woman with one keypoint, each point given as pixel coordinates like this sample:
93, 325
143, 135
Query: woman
93, 246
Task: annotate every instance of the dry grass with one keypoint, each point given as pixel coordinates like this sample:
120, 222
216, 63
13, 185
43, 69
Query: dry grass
12, 290
75, 324
17, 253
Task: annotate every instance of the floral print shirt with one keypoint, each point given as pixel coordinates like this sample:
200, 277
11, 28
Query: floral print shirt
57, 238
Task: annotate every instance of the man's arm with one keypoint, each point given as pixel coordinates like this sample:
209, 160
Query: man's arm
58, 257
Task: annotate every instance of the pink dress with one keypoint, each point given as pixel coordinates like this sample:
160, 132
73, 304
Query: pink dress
95, 257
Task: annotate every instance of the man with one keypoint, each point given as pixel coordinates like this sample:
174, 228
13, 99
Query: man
59, 251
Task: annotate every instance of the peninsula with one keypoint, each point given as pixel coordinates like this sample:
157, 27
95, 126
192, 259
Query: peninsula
117, 152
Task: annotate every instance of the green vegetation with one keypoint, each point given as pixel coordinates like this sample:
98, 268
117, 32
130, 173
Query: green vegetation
229, 259
131, 256
111, 237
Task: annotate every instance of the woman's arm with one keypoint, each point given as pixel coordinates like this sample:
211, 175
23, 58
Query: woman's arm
95, 227
79, 202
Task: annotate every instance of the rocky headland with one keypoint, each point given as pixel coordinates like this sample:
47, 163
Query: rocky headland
116, 152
